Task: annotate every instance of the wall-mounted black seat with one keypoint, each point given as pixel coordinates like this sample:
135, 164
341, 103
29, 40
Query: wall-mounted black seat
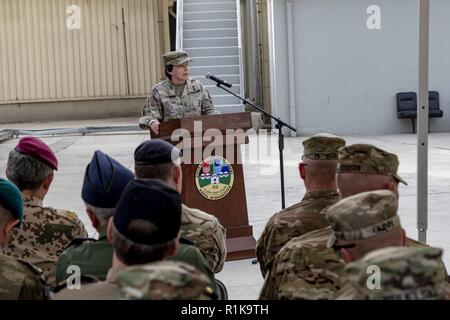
407, 106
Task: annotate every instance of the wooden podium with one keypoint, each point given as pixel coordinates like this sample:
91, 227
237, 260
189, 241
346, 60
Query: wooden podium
219, 136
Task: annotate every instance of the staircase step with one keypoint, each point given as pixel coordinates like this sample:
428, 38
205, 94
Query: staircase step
214, 90
229, 108
210, 15
215, 70
202, 7
212, 51
210, 33
231, 78
214, 61
210, 42
225, 99
208, 1
212, 24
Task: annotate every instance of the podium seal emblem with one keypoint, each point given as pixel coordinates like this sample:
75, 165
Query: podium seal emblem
214, 177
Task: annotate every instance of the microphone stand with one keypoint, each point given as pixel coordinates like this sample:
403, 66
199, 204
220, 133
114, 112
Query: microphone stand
279, 125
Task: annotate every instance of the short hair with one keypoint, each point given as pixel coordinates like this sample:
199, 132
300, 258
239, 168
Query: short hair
160, 171
102, 214
168, 69
132, 253
26, 172
5, 215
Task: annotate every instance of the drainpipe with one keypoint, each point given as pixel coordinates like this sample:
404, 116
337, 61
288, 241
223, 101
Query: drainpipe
291, 67
256, 60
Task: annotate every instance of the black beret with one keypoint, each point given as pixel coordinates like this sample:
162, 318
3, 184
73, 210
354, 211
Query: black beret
151, 200
155, 151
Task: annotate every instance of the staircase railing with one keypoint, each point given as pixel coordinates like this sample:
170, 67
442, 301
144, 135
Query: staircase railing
179, 31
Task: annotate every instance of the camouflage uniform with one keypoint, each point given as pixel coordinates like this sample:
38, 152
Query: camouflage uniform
94, 257
164, 280
165, 103
207, 234
44, 234
305, 269
20, 280
414, 273
308, 267
305, 216
108, 289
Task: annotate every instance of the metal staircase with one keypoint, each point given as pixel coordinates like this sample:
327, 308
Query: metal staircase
209, 31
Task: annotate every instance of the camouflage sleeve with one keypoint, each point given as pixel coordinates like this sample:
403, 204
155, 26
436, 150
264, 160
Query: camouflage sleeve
306, 273
266, 247
78, 230
152, 110
219, 252
207, 103
32, 289
210, 239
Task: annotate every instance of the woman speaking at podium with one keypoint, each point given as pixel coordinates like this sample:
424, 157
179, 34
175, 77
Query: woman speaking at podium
177, 96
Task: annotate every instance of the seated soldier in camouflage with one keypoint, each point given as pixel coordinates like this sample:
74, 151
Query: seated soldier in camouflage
359, 224
45, 231
144, 229
318, 172
19, 280
157, 159
104, 181
397, 273
164, 280
361, 168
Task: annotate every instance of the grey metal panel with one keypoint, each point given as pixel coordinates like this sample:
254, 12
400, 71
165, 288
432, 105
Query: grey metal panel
42, 60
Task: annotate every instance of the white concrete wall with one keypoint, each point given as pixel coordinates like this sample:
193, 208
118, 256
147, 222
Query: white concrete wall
347, 76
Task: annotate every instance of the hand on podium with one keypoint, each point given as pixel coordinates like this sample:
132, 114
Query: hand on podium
154, 126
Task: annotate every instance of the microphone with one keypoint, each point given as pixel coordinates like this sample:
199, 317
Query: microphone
218, 80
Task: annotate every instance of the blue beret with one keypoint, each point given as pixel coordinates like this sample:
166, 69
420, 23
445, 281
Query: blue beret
151, 200
11, 199
155, 151
104, 181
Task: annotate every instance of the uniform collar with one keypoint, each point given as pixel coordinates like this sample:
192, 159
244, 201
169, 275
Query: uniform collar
102, 233
32, 201
321, 194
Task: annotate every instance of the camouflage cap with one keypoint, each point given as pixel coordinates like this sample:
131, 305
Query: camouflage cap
176, 58
322, 146
366, 158
406, 273
164, 280
362, 216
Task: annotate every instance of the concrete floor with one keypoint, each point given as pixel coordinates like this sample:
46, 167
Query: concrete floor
242, 278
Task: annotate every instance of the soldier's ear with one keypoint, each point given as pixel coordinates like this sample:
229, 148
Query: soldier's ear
94, 220
47, 182
301, 169
7, 230
109, 230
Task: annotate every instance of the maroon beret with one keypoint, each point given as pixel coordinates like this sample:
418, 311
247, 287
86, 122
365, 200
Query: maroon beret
38, 149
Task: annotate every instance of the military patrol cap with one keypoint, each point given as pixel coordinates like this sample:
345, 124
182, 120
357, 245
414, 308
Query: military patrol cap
322, 146
11, 199
363, 216
407, 273
366, 158
104, 181
176, 58
151, 200
37, 149
164, 280
155, 151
